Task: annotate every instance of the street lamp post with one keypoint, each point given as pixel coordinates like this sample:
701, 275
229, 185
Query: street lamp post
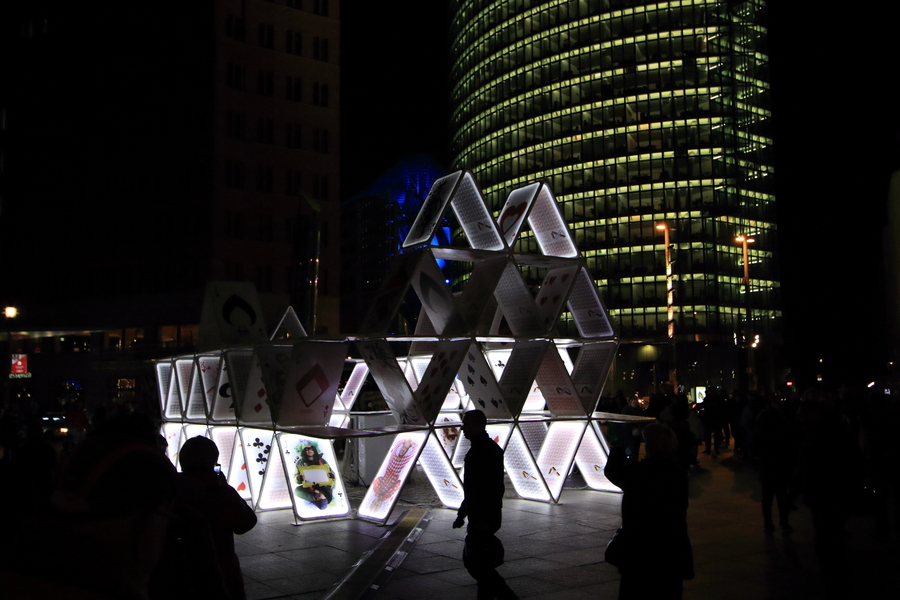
744, 240
670, 288
10, 312
670, 296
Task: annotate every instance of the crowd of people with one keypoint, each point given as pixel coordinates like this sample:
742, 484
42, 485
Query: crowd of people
832, 447
109, 517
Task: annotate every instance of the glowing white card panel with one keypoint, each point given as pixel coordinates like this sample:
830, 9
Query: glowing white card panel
391, 381
591, 369
222, 410
441, 473
354, 384
418, 365
519, 373
439, 376
449, 431
239, 363
556, 387
163, 382
587, 311
238, 473
274, 493
516, 209
274, 363
517, 304
209, 376
432, 210
549, 227
257, 445
591, 460
382, 494
480, 384
339, 419
312, 383
454, 399
183, 369
535, 401
566, 358
173, 398
433, 292
473, 215
255, 404
409, 373
173, 432
224, 437
553, 293
598, 431
316, 486
196, 400
523, 470
558, 452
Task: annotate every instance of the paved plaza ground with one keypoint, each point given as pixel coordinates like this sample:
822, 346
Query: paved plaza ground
555, 552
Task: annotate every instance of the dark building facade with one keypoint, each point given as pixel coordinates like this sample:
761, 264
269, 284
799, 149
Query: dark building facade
143, 156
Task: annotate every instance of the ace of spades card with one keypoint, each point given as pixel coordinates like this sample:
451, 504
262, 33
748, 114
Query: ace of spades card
311, 385
481, 385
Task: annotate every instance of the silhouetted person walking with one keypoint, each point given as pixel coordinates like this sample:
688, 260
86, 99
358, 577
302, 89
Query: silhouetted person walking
483, 505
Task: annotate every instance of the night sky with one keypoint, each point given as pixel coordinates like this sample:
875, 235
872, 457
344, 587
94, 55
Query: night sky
836, 118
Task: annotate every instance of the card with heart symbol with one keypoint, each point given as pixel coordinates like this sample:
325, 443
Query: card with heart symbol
515, 211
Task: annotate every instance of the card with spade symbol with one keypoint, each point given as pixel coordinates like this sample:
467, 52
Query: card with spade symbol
480, 384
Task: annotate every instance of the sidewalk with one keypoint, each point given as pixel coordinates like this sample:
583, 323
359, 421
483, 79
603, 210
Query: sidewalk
556, 551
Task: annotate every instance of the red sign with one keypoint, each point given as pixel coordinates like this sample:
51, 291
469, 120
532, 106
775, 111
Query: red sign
19, 364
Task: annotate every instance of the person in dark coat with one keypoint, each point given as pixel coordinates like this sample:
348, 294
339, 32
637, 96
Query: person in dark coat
483, 506
204, 490
657, 550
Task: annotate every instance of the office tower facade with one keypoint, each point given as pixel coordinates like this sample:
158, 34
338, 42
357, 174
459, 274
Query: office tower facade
651, 122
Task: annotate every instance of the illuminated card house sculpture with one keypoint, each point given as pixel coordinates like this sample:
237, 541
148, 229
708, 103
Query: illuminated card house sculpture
492, 346
273, 407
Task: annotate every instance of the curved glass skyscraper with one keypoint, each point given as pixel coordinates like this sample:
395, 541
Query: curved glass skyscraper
651, 122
